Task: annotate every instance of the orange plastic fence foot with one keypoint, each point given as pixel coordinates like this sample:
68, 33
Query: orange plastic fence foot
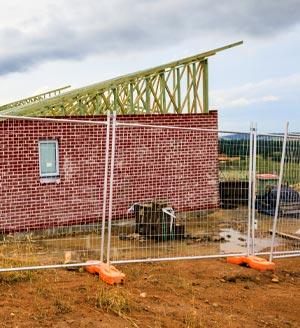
260, 264
239, 260
253, 262
106, 272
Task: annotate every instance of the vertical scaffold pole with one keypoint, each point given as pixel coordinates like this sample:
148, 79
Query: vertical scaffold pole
111, 184
253, 187
279, 190
105, 186
250, 189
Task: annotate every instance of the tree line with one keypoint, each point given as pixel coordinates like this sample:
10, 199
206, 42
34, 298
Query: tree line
268, 148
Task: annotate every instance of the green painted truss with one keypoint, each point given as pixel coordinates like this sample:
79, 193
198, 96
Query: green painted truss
177, 87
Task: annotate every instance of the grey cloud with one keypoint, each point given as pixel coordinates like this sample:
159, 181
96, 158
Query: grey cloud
99, 27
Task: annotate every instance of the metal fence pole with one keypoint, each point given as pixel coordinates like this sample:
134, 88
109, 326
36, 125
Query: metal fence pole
105, 186
250, 189
111, 184
254, 187
279, 190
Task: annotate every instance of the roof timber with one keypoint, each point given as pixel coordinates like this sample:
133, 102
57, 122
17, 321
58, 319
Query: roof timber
35, 98
180, 86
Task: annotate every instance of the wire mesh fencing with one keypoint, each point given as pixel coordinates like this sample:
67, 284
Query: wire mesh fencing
183, 193
286, 222
52, 179
275, 201
267, 172
178, 193
118, 191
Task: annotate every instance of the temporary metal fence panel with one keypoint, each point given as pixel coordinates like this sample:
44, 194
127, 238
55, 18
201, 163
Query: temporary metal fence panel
116, 191
266, 176
53, 177
286, 223
159, 177
166, 202
276, 207
235, 184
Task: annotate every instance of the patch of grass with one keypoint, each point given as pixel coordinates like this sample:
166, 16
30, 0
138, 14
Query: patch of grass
192, 320
135, 272
43, 292
16, 277
41, 313
239, 277
61, 307
113, 300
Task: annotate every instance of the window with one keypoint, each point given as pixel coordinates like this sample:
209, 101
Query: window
48, 155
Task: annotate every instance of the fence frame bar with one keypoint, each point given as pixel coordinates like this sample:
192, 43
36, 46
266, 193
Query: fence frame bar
279, 190
111, 184
283, 256
105, 186
253, 187
179, 258
53, 120
51, 266
250, 190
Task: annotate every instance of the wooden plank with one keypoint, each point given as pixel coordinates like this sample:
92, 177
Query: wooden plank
35, 98
205, 87
285, 235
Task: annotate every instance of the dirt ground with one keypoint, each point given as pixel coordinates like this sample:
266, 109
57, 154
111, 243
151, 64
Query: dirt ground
202, 293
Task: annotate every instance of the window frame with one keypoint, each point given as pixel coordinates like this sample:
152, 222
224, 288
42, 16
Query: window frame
56, 173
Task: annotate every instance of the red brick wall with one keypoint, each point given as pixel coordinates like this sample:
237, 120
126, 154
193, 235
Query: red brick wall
177, 166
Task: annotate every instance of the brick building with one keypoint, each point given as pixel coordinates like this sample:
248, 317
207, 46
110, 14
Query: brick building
52, 173
74, 195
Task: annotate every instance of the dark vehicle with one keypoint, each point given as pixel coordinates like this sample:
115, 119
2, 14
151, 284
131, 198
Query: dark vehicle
289, 202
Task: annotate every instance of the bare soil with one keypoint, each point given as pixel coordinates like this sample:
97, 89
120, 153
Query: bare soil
203, 293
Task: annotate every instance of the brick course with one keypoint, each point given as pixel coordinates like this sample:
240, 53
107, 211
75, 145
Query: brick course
174, 165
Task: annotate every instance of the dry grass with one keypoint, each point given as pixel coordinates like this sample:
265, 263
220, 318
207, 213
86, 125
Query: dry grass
61, 307
113, 300
192, 320
15, 277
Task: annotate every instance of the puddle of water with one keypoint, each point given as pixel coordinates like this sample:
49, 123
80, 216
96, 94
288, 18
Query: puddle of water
236, 242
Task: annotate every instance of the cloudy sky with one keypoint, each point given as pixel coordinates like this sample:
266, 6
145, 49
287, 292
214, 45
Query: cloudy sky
46, 44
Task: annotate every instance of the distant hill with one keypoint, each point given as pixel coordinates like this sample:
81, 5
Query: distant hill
236, 136
245, 136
